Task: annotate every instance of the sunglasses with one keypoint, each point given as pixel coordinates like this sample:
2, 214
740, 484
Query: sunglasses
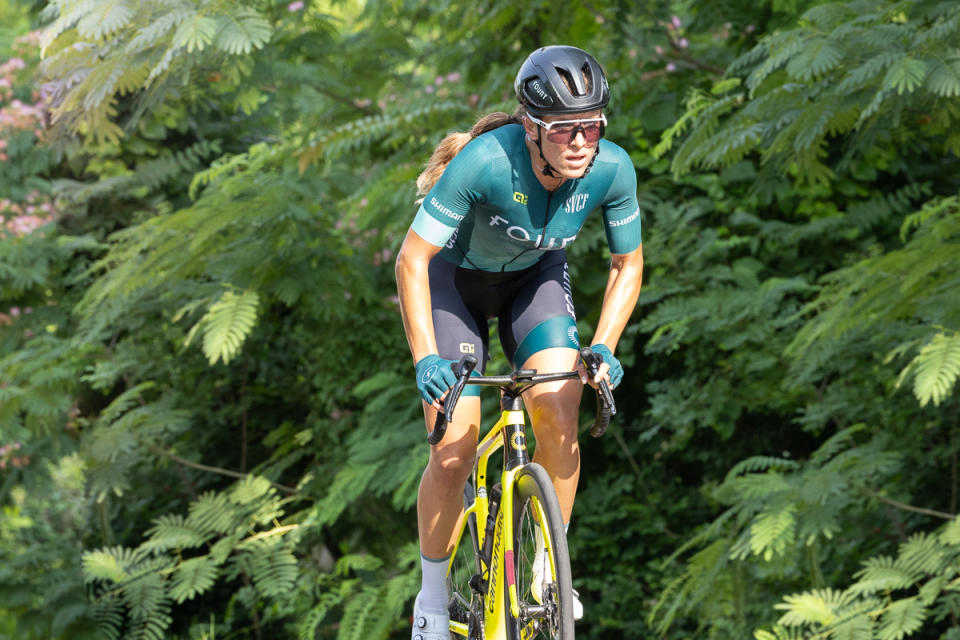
564, 131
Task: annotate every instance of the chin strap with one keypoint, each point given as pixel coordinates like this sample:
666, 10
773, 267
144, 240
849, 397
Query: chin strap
550, 171
593, 159
547, 169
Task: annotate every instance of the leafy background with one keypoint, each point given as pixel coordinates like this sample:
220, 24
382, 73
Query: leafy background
207, 419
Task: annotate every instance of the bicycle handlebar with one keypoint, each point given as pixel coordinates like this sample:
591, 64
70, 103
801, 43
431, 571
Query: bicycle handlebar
606, 408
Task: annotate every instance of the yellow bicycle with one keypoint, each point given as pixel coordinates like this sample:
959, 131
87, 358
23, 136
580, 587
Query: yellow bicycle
510, 578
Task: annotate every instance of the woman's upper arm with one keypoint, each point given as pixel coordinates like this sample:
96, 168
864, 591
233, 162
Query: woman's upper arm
415, 249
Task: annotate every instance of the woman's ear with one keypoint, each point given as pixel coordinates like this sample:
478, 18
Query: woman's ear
530, 127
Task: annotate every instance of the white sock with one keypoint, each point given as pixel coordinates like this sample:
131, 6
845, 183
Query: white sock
433, 587
541, 556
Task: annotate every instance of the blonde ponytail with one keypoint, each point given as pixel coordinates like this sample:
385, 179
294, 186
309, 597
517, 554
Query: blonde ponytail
455, 142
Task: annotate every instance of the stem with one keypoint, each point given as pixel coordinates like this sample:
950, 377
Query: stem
626, 452
217, 470
739, 595
813, 555
103, 508
253, 610
243, 419
953, 465
907, 507
186, 483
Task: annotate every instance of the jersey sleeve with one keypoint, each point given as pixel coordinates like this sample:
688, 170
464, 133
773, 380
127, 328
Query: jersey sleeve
462, 184
621, 211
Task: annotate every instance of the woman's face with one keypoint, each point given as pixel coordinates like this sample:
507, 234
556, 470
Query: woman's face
569, 154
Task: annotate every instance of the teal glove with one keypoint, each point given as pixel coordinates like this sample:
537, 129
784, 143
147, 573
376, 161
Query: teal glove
434, 376
616, 369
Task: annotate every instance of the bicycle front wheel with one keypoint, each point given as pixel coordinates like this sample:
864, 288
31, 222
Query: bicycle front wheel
544, 587
466, 604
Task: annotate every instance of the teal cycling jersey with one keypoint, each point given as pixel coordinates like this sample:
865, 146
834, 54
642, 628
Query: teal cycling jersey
488, 210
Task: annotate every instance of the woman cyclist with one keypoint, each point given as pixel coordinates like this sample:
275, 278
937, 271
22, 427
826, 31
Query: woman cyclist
500, 205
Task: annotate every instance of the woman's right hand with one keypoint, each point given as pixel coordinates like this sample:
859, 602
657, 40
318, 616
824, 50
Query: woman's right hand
435, 376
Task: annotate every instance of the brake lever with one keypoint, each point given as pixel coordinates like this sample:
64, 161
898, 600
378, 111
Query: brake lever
607, 407
462, 370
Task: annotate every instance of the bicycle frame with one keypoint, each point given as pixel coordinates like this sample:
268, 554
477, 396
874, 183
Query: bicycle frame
501, 606
510, 428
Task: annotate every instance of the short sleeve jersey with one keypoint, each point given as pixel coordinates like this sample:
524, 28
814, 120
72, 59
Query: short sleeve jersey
488, 210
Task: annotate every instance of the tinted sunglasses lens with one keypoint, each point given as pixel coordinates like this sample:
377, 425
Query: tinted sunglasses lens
562, 134
592, 131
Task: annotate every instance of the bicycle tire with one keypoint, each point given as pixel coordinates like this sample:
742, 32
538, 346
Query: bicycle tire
465, 606
553, 618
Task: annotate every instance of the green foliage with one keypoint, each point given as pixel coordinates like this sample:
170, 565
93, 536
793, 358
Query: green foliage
155, 41
235, 529
226, 325
877, 605
907, 287
237, 177
860, 72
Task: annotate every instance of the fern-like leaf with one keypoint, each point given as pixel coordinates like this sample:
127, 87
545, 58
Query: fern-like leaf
905, 75
192, 577
819, 606
773, 531
242, 31
902, 618
944, 77
195, 33
817, 58
173, 532
936, 369
106, 564
106, 17
227, 324
881, 574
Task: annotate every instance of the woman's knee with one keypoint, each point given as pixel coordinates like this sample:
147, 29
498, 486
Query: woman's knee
452, 462
556, 419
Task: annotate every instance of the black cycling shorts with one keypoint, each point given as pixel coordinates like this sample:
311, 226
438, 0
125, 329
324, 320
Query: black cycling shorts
533, 307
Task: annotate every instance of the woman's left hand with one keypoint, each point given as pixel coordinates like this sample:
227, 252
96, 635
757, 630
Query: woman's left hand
611, 369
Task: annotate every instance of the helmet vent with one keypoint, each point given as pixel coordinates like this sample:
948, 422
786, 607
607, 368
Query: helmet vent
569, 81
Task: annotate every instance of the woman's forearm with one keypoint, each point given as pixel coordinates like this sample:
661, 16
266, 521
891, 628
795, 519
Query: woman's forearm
413, 291
620, 297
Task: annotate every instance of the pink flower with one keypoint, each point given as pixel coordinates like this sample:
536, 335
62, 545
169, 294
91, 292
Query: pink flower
428, 88
24, 225
659, 50
438, 80
671, 67
295, 6
676, 22
684, 43
454, 76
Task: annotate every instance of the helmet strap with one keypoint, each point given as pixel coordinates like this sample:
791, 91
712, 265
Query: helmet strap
547, 170
593, 159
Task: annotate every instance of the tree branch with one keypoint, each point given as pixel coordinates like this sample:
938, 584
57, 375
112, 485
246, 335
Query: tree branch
907, 507
217, 470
